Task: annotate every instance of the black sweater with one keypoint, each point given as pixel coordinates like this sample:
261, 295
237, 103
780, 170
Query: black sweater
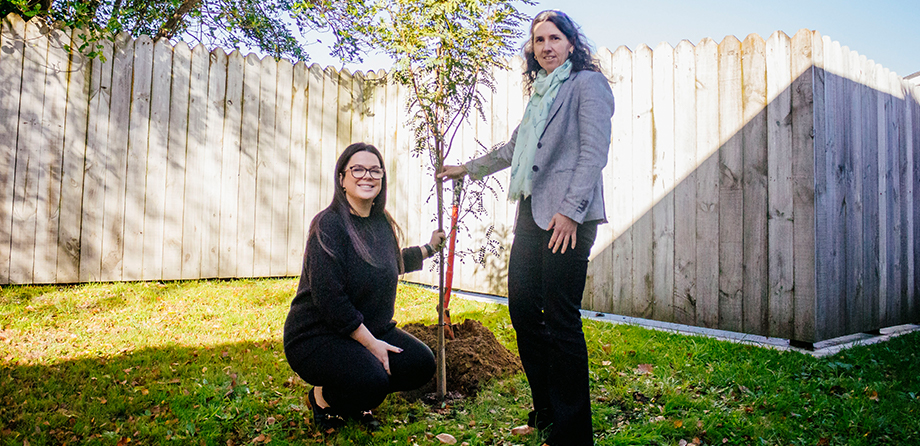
340, 291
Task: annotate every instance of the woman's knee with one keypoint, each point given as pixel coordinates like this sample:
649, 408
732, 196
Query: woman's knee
412, 368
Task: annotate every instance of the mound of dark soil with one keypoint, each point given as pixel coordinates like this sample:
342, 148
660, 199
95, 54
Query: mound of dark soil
473, 358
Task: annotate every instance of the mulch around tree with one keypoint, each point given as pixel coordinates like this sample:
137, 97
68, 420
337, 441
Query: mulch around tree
473, 358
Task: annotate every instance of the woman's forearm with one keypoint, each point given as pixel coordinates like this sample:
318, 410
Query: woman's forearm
364, 336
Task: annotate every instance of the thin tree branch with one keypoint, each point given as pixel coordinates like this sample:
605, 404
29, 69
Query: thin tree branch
168, 30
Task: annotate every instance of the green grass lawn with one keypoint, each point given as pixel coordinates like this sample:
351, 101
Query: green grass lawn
202, 363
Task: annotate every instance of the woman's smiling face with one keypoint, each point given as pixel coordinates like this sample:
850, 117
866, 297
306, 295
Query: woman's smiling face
550, 46
361, 192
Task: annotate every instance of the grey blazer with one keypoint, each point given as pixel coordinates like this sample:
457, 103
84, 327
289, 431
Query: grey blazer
570, 154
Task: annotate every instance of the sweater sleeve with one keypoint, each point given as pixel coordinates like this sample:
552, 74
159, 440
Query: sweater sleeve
328, 274
412, 259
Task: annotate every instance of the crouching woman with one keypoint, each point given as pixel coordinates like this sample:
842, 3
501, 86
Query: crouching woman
340, 334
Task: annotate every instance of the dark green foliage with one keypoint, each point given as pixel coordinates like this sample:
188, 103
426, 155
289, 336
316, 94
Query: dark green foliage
274, 27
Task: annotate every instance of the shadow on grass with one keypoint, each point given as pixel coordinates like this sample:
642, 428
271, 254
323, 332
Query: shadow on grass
237, 393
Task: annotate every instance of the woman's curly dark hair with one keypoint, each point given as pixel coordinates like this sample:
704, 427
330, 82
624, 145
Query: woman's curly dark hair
581, 57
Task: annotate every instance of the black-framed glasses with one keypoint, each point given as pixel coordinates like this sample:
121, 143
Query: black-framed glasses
359, 172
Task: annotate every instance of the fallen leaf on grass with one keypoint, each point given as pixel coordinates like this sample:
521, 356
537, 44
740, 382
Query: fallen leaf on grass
873, 396
678, 424
446, 438
522, 430
644, 368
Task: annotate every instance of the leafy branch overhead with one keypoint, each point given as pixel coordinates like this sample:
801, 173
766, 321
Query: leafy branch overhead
444, 52
274, 27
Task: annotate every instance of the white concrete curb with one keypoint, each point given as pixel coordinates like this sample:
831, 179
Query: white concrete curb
821, 349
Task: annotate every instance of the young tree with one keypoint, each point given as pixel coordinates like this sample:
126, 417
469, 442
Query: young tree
274, 27
445, 52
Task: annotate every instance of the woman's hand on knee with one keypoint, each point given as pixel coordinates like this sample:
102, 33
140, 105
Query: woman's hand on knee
381, 350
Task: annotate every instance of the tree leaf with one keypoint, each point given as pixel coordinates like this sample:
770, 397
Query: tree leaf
446, 438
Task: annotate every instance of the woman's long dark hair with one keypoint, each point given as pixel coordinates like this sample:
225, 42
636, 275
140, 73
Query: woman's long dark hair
344, 210
581, 57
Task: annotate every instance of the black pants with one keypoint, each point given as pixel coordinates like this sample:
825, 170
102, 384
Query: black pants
544, 298
352, 378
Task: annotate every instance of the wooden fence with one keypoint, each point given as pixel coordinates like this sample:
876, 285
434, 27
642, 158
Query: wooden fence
764, 187
761, 187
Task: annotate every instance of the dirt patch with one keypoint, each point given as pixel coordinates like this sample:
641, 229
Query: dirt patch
474, 357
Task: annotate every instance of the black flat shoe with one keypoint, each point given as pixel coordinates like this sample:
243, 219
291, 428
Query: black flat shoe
324, 418
368, 420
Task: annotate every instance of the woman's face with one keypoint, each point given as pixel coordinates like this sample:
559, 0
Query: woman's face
550, 46
362, 191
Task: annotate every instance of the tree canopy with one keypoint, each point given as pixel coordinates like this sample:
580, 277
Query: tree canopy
274, 27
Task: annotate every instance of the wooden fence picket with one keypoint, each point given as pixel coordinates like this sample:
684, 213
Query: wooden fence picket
804, 75
756, 178
176, 162
11, 48
298, 222
115, 159
731, 190
155, 193
28, 160
621, 158
780, 188
663, 182
212, 159
74, 150
230, 169
707, 183
136, 170
52, 142
94, 171
249, 144
643, 297
197, 194
282, 171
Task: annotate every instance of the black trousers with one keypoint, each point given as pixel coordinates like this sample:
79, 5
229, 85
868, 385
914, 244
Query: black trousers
353, 380
544, 298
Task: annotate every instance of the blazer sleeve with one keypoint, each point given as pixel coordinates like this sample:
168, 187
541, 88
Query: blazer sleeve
493, 161
595, 108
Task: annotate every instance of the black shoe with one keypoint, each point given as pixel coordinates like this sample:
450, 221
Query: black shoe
539, 420
325, 419
368, 420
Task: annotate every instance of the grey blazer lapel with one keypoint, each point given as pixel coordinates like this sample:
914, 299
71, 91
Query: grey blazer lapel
564, 92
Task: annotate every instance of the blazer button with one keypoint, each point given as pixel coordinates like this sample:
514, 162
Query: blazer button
536, 169
539, 145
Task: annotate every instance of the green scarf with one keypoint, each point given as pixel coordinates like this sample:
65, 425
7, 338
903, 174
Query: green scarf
545, 88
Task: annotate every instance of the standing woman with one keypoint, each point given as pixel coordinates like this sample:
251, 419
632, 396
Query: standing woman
556, 156
339, 334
